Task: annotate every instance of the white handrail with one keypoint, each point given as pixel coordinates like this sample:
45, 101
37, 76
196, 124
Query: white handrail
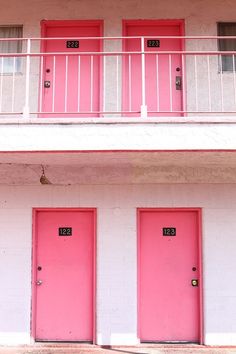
204, 87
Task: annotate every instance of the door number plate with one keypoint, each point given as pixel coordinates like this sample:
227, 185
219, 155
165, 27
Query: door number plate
65, 231
153, 43
169, 231
72, 44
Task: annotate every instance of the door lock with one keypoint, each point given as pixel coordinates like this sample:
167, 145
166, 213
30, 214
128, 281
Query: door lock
47, 84
194, 282
178, 82
39, 282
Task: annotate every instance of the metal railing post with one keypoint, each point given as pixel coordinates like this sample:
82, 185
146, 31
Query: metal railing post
143, 106
26, 110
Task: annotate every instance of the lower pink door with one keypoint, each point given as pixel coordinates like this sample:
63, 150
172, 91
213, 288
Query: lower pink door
169, 295
64, 276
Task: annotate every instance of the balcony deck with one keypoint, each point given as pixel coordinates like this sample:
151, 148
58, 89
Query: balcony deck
195, 112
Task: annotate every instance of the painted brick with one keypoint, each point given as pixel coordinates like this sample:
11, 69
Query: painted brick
117, 252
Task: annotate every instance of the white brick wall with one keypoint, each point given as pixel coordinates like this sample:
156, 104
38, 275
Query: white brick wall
116, 254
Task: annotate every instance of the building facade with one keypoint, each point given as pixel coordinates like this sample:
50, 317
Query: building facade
118, 171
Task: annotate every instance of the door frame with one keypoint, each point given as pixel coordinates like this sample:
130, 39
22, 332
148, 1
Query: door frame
199, 240
157, 22
70, 23
34, 263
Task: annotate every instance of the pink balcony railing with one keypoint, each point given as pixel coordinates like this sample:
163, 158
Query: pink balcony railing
117, 76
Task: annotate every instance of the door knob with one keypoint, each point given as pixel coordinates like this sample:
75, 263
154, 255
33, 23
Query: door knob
39, 282
194, 282
178, 83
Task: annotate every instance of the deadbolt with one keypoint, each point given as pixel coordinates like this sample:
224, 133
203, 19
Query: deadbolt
194, 282
178, 83
39, 282
47, 84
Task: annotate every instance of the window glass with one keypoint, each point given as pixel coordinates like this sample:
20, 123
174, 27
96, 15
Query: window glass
10, 64
228, 62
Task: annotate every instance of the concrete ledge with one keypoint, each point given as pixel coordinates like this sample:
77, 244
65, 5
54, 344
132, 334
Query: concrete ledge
121, 136
119, 120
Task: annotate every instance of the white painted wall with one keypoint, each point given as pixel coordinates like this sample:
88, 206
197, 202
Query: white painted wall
200, 19
117, 252
200, 16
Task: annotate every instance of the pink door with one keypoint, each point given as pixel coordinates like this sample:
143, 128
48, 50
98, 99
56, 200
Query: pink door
163, 72
64, 275
71, 83
169, 295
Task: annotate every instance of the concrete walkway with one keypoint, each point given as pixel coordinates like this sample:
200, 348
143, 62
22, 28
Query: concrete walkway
142, 349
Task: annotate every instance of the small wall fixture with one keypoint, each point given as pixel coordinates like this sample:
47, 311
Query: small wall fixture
43, 178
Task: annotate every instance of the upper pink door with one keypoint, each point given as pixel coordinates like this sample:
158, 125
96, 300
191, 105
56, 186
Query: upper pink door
70, 84
64, 275
163, 72
169, 295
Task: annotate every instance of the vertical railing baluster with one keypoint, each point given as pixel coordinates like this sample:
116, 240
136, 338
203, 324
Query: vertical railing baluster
209, 84
143, 106
13, 85
104, 84
196, 83
183, 81
41, 84
53, 83
234, 79
130, 83
79, 81
157, 83
117, 83
170, 82
91, 84
1, 83
26, 109
221, 85
66, 85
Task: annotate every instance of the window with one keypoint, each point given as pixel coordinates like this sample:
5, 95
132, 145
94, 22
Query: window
228, 62
10, 64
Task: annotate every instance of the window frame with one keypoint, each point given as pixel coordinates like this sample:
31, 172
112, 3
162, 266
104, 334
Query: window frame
13, 67
224, 60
